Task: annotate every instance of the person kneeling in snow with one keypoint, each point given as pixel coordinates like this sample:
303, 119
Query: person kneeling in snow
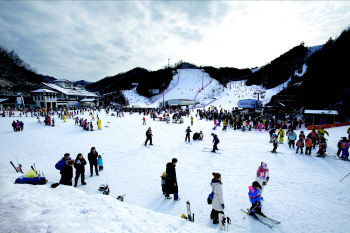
66, 169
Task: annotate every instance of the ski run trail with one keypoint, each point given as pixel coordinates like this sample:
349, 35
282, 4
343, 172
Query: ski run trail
304, 192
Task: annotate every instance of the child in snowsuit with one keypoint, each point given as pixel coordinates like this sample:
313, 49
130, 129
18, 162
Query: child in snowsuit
262, 176
322, 147
345, 149
162, 181
302, 135
143, 121
308, 145
300, 144
281, 135
314, 137
254, 197
201, 135
100, 163
275, 144
291, 137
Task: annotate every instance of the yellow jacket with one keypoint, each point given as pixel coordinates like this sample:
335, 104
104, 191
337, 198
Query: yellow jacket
280, 132
322, 132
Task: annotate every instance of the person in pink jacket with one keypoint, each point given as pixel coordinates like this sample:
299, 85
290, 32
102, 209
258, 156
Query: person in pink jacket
262, 176
260, 126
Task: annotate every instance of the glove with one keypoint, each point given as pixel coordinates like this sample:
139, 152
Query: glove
223, 206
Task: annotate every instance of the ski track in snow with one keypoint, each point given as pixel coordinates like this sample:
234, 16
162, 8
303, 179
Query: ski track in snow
304, 192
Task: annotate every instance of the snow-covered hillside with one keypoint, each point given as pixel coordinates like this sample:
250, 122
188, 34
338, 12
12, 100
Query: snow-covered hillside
187, 84
304, 192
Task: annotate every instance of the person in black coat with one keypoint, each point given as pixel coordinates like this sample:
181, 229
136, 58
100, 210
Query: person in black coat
171, 181
14, 125
79, 166
149, 136
188, 131
92, 157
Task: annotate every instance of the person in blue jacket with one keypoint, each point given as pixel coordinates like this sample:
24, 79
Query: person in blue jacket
66, 169
255, 199
216, 141
292, 136
100, 163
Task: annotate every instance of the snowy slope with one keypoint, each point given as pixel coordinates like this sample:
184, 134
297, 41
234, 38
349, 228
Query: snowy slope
304, 192
187, 84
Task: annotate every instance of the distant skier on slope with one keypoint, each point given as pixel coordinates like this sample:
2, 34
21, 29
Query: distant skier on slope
149, 136
215, 141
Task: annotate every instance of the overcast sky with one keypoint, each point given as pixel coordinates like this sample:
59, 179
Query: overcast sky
90, 40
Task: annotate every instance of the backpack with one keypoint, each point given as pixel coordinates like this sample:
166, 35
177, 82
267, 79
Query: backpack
210, 197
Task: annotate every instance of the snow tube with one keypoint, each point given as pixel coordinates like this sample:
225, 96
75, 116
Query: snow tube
35, 180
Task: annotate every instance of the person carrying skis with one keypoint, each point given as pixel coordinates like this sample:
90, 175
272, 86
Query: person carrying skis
218, 199
308, 145
300, 145
66, 169
281, 135
79, 166
255, 199
92, 157
262, 176
291, 137
314, 137
215, 141
188, 131
171, 181
149, 136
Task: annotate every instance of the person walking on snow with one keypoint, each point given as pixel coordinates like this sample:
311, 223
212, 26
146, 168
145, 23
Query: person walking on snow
149, 136
262, 176
79, 166
218, 199
171, 186
255, 199
300, 145
308, 146
191, 120
188, 131
92, 157
143, 121
99, 124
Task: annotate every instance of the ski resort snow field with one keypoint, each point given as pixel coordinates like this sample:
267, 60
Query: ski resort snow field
304, 192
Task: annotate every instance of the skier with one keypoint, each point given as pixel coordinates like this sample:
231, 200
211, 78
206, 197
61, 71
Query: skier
92, 157
224, 125
345, 149
322, 131
143, 121
272, 132
66, 169
215, 141
191, 120
275, 145
100, 163
308, 145
79, 166
341, 141
254, 197
218, 199
302, 135
262, 176
171, 181
291, 137
281, 135
314, 137
322, 147
188, 131
300, 144
149, 136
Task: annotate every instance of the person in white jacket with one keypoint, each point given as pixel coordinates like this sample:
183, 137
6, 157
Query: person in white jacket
262, 176
218, 199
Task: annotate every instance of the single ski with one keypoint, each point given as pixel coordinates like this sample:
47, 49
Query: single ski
14, 166
19, 168
189, 215
265, 223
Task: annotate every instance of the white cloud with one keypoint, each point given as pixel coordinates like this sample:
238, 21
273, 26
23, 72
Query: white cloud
90, 40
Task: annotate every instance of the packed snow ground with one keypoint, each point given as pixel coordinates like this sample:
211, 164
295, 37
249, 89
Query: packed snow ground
187, 83
304, 192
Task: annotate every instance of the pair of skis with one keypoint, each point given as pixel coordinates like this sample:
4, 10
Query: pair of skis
265, 217
190, 216
36, 171
19, 168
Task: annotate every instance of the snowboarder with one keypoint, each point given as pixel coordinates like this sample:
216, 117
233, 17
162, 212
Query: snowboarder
92, 157
66, 169
171, 181
149, 136
188, 131
215, 141
79, 166
300, 145
262, 176
254, 197
218, 199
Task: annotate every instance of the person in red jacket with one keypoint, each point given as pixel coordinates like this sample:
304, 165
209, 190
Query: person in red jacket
300, 144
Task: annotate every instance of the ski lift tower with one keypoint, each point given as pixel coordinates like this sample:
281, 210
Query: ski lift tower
258, 93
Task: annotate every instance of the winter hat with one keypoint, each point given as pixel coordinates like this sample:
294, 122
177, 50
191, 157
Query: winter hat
256, 184
216, 175
264, 165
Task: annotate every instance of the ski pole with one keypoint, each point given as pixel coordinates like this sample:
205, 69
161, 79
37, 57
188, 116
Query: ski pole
250, 211
344, 177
